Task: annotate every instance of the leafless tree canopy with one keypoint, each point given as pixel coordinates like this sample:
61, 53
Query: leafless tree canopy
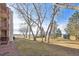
34, 16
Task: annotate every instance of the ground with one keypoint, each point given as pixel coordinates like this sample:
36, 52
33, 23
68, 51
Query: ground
32, 48
9, 49
26, 47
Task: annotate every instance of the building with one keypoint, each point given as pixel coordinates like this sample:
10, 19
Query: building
6, 24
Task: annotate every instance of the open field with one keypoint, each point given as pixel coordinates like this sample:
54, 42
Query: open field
58, 41
34, 48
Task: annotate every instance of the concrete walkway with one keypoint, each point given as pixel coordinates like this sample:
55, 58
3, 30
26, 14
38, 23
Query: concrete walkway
9, 50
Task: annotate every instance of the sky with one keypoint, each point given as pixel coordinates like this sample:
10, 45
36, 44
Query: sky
61, 19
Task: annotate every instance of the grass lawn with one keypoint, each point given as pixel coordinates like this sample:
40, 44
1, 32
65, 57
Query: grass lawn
29, 47
34, 48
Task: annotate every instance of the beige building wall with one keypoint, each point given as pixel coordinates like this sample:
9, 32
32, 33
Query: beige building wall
10, 25
6, 13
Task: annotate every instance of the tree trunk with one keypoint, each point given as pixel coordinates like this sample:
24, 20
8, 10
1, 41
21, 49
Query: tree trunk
76, 37
29, 33
49, 36
47, 32
34, 38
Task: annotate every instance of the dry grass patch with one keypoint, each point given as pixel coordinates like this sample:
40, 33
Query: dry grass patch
34, 48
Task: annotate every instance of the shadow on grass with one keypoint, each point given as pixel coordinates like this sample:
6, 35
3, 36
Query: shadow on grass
34, 48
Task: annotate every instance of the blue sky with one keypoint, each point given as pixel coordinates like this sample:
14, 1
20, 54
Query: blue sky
62, 18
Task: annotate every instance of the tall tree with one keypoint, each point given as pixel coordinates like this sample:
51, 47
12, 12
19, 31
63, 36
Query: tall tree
32, 14
55, 9
58, 32
24, 11
73, 25
41, 15
24, 31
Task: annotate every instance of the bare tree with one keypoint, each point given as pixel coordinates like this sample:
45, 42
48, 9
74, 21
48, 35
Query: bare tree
24, 31
25, 14
28, 12
41, 14
55, 11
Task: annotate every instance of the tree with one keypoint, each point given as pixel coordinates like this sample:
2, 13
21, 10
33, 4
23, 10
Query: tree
24, 31
32, 14
41, 15
73, 25
36, 14
55, 9
24, 11
58, 33
53, 30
